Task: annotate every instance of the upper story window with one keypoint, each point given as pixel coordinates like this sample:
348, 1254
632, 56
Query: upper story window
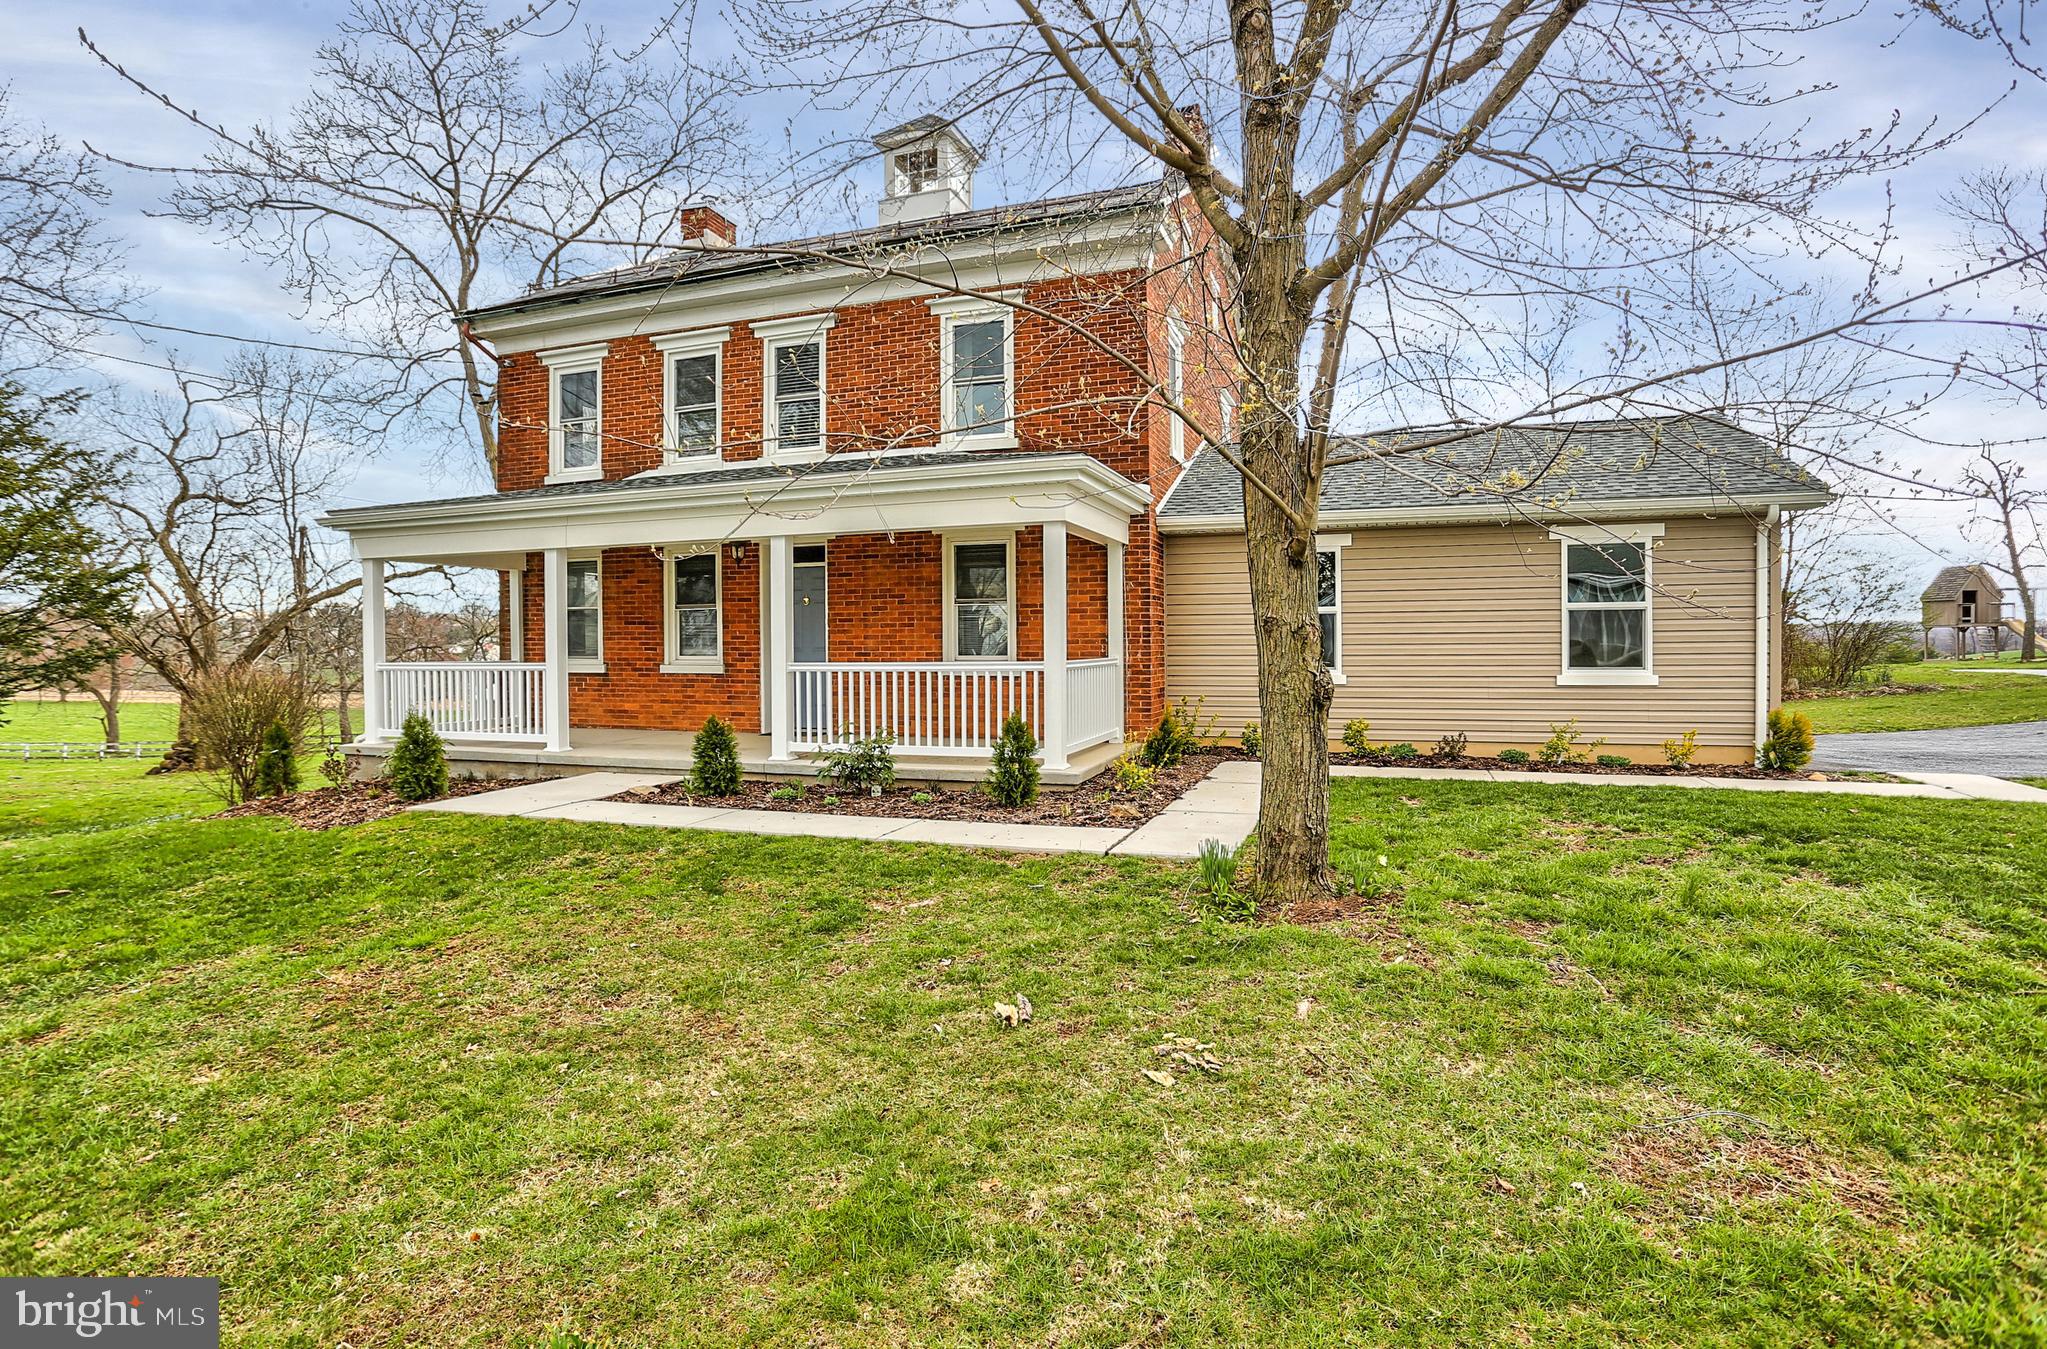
1176, 382
1606, 605
917, 170
976, 369
692, 375
575, 412
793, 356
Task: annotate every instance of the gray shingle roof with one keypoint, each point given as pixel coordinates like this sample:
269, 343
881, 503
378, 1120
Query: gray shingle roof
863, 245
1531, 468
756, 471
1952, 581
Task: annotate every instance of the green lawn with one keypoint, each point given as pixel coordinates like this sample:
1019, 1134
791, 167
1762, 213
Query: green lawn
1969, 697
79, 719
1641, 1067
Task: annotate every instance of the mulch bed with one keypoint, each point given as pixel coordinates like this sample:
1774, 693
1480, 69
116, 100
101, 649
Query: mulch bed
1873, 691
1093, 803
352, 802
1709, 770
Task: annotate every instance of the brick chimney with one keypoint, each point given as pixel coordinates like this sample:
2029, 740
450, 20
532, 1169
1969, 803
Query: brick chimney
706, 226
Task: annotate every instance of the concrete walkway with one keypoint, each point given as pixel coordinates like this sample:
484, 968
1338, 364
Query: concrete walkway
2014, 750
1222, 806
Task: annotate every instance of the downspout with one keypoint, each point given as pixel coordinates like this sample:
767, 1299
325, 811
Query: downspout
1764, 535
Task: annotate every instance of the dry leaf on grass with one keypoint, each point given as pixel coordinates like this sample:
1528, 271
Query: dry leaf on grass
1163, 1079
1193, 1053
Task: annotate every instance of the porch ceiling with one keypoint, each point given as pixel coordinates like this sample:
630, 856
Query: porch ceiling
840, 495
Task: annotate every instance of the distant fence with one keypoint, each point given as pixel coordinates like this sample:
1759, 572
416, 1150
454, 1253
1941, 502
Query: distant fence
22, 751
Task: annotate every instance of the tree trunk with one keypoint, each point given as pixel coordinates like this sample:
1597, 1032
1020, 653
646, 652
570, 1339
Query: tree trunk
110, 705
1294, 690
2029, 642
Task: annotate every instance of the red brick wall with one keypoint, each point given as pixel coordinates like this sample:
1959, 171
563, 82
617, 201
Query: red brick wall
882, 374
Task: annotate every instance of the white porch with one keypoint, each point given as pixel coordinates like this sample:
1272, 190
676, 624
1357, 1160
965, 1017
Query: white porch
943, 716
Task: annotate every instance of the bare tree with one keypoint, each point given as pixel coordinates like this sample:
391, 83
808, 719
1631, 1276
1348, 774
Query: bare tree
1512, 211
430, 168
1842, 603
59, 270
1999, 485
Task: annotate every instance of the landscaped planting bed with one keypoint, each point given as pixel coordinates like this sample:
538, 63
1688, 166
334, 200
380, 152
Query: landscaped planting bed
1533, 765
354, 802
1097, 802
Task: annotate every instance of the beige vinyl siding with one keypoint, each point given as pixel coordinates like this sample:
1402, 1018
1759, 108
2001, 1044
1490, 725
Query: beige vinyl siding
1459, 628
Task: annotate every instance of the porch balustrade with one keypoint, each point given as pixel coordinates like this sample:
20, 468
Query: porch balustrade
466, 700
935, 708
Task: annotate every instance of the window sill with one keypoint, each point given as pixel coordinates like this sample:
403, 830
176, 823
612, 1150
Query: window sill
1610, 678
1336, 676
573, 475
693, 667
808, 455
989, 442
584, 665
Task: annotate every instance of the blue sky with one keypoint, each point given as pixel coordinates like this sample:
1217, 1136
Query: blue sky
241, 62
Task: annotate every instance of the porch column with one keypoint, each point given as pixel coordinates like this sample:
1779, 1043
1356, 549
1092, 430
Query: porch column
515, 621
1116, 650
554, 681
781, 560
1055, 644
373, 728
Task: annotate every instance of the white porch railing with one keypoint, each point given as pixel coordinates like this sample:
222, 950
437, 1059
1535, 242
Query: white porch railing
1094, 702
933, 708
466, 700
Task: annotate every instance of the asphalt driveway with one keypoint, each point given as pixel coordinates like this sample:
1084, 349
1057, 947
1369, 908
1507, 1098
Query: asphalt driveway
2015, 750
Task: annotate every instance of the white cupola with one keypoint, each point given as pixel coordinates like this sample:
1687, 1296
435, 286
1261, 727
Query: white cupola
927, 171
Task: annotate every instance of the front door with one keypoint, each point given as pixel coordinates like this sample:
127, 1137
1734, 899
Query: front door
808, 617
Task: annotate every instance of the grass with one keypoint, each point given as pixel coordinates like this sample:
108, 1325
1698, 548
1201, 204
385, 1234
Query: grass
1968, 697
1644, 1067
79, 720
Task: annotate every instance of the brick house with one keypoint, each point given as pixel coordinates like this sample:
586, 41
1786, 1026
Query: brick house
908, 479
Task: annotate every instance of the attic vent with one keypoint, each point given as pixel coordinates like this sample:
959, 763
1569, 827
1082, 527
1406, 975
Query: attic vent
929, 171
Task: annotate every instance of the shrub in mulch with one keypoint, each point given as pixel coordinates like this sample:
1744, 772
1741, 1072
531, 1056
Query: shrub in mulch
1379, 758
1093, 803
349, 803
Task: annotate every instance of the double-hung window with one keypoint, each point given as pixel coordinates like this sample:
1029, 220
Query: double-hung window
1176, 382
692, 367
979, 396
1606, 605
981, 601
575, 412
793, 358
694, 643
585, 610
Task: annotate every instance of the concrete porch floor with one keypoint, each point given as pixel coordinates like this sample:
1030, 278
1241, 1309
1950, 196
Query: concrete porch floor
597, 749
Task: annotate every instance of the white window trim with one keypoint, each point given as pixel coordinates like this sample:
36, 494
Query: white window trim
795, 332
952, 311
1333, 543
1176, 384
673, 662
588, 664
1594, 536
571, 361
700, 342
949, 542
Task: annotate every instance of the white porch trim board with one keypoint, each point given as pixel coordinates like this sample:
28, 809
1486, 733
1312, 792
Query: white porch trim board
1053, 566
555, 646
374, 725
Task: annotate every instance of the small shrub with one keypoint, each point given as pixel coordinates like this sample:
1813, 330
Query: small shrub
418, 768
1566, 745
1170, 741
922, 798
1251, 740
1678, 753
1452, 746
1216, 863
1357, 735
1614, 761
1196, 722
1013, 770
787, 792
830, 803
714, 759
1788, 747
863, 765
277, 767
230, 714
1402, 751
1132, 775
1513, 756
333, 767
